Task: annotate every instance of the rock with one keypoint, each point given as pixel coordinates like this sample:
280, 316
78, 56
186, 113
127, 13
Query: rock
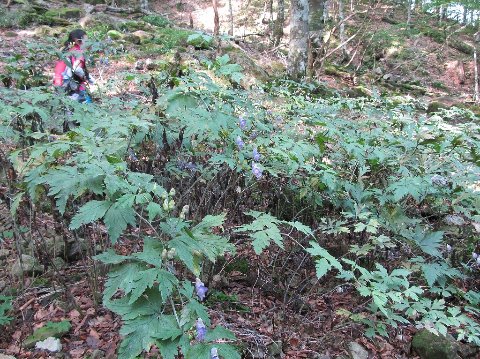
58, 262
115, 35
139, 65
133, 39
45, 30
150, 65
143, 35
3, 356
430, 346
56, 246
97, 354
3, 284
10, 34
51, 344
27, 266
378, 71
76, 248
357, 351
64, 13
4, 253
50, 329
274, 349
358, 91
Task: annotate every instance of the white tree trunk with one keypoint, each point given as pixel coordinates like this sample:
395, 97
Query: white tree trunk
325, 11
341, 18
298, 45
230, 10
476, 96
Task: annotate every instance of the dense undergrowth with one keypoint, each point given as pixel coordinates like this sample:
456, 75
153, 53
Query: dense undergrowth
190, 165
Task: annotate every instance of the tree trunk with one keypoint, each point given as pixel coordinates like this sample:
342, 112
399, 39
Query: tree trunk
325, 11
216, 20
144, 5
279, 22
316, 26
476, 96
409, 11
465, 13
230, 10
298, 45
341, 19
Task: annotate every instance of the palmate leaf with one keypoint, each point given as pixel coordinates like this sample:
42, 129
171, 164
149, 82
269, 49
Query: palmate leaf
325, 262
264, 229
117, 218
90, 212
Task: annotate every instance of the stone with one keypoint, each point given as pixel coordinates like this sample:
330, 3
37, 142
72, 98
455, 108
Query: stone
4, 253
58, 262
56, 246
143, 35
357, 351
64, 13
3, 356
50, 329
133, 39
274, 349
97, 354
51, 344
431, 346
3, 285
76, 248
27, 266
150, 64
139, 65
115, 35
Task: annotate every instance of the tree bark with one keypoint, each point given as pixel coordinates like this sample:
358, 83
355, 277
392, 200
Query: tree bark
298, 45
216, 20
230, 10
316, 26
409, 11
279, 22
341, 19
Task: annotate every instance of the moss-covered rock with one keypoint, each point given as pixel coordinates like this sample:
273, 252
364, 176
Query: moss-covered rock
27, 265
50, 329
430, 346
115, 35
358, 91
64, 13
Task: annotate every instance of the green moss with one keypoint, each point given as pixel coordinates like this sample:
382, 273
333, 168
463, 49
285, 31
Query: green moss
240, 265
64, 13
157, 20
439, 85
430, 346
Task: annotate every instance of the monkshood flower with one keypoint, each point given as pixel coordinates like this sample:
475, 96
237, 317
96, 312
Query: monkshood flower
478, 260
242, 123
200, 289
474, 255
214, 353
256, 170
239, 143
439, 180
449, 248
201, 330
256, 156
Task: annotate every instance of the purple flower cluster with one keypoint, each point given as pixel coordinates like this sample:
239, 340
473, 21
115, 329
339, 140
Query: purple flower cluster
242, 123
200, 289
256, 170
240, 143
256, 156
190, 166
214, 353
201, 330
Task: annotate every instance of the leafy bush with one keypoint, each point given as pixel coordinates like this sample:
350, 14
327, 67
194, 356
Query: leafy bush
200, 40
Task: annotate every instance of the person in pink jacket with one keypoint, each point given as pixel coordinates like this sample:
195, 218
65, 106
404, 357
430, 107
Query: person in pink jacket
72, 75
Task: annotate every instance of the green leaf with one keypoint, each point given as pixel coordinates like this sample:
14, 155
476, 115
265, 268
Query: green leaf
117, 218
89, 212
110, 257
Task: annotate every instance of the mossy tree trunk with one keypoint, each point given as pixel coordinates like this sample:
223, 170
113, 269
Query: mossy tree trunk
298, 45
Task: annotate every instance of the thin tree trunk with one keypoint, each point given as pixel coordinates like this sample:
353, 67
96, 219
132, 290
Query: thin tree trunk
216, 20
476, 96
325, 11
230, 10
298, 45
465, 13
279, 22
144, 5
341, 18
316, 26
409, 12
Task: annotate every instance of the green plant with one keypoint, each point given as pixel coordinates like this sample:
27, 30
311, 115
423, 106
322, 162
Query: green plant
200, 40
5, 307
222, 67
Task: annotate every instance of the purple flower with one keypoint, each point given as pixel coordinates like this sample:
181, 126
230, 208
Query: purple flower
474, 255
449, 248
201, 330
256, 155
214, 353
200, 289
242, 123
256, 170
239, 143
478, 260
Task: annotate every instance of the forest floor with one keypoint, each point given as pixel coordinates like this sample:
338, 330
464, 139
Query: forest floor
264, 318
